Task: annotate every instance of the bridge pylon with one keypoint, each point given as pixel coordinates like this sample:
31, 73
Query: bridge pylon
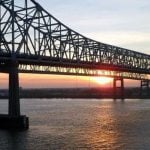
145, 88
14, 120
118, 88
14, 102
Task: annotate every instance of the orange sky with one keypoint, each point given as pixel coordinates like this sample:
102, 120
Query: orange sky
56, 81
105, 23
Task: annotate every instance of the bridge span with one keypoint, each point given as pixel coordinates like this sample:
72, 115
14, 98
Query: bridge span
34, 41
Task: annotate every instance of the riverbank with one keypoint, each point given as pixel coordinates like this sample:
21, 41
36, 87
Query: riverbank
132, 93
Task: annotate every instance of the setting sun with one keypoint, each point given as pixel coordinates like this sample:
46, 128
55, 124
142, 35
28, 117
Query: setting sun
102, 80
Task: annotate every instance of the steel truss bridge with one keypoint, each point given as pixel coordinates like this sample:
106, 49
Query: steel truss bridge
34, 41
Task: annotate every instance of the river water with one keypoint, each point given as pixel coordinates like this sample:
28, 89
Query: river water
67, 124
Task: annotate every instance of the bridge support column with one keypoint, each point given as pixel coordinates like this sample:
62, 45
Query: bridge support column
14, 103
145, 89
118, 89
14, 120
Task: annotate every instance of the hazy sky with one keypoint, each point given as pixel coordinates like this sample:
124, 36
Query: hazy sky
122, 23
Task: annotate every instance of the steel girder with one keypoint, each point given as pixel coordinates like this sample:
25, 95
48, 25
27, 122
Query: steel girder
27, 31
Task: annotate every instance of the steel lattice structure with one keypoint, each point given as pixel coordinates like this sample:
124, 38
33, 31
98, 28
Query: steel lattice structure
79, 72
35, 39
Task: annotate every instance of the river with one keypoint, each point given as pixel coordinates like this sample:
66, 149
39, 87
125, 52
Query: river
86, 124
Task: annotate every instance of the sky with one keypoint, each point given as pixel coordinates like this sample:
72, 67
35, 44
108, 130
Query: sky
123, 23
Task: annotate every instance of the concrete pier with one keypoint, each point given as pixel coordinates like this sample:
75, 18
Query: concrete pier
145, 88
13, 120
14, 123
118, 89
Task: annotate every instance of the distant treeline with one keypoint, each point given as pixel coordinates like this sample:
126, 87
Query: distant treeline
77, 93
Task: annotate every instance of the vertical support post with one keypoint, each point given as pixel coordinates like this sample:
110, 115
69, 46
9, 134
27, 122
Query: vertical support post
122, 88
14, 103
145, 88
114, 88
13, 120
118, 90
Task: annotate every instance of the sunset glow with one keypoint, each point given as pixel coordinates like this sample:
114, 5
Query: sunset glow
102, 80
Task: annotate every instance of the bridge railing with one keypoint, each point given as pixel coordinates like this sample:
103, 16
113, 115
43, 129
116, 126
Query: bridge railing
80, 72
30, 32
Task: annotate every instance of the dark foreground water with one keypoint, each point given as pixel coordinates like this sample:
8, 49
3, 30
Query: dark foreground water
65, 124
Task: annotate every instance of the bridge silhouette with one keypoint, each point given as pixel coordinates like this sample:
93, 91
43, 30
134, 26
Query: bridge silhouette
34, 41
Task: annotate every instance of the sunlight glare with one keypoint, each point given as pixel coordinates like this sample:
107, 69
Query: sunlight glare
102, 80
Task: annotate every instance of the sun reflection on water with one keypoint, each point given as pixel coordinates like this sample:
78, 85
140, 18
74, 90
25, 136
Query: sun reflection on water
102, 132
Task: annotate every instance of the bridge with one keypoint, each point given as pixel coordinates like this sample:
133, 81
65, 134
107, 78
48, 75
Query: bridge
34, 41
